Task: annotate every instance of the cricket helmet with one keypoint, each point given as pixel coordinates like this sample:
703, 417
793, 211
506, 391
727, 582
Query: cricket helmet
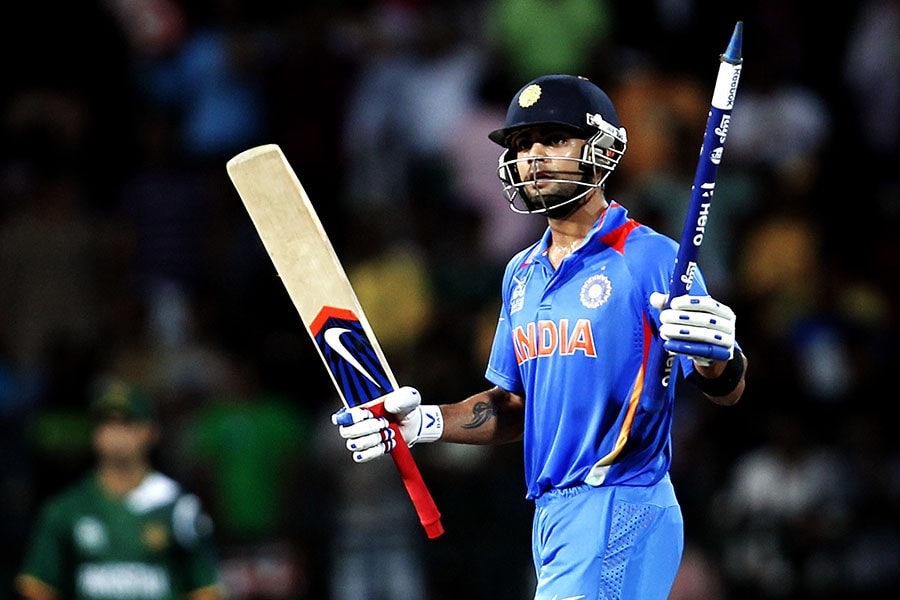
575, 104
118, 399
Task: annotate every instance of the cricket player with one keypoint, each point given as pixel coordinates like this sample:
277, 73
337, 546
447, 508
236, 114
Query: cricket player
126, 531
582, 307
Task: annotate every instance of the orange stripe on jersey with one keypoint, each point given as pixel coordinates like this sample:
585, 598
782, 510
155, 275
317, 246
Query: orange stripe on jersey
633, 401
615, 239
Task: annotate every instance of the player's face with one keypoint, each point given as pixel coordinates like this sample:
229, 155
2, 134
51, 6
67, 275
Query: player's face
120, 440
547, 158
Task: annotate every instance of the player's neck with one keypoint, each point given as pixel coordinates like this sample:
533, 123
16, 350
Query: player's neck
118, 479
575, 226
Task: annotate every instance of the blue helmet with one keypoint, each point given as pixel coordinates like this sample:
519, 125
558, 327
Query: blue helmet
573, 103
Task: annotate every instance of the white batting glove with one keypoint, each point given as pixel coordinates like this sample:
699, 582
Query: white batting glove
369, 437
696, 326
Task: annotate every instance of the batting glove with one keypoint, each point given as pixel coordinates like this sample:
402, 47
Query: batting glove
696, 326
369, 436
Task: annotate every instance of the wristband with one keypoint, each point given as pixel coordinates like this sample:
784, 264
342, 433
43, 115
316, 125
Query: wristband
431, 427
725, 383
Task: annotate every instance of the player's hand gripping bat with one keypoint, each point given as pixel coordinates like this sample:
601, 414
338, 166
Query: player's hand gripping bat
320, 290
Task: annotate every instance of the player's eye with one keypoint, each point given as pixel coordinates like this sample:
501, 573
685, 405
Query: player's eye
551, 139
522, 143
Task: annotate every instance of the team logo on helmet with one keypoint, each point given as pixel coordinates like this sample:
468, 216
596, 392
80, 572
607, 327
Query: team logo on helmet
595, 291
530, 95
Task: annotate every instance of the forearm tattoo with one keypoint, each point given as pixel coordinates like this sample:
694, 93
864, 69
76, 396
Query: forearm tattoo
481, 412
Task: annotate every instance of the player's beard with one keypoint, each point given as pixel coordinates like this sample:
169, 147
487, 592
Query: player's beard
551, 197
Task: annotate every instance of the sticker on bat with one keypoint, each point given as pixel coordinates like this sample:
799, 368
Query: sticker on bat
349, 356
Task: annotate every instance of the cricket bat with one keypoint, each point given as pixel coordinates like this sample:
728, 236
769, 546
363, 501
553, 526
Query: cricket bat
659, 371
317, 284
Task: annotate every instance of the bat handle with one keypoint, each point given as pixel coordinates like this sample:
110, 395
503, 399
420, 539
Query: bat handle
429, 515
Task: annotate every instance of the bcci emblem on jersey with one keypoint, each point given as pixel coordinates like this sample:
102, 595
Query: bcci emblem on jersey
595, 291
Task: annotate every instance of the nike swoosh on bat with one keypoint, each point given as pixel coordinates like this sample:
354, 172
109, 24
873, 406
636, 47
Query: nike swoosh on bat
333, 339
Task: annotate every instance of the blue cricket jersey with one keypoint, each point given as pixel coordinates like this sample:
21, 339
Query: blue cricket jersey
575, 343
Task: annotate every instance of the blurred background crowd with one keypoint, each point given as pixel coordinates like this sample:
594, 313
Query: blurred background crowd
125, 250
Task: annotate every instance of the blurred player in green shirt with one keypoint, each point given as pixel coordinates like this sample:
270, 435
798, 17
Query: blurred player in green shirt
126, 531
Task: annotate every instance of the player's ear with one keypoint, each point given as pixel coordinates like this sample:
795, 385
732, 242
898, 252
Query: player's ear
153, 432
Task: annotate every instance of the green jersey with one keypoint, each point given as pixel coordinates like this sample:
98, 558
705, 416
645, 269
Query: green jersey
154, 544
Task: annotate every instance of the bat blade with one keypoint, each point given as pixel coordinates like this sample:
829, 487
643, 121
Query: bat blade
320, 290
304, 259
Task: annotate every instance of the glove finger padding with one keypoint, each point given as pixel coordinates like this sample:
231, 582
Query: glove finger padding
367, 447
658, 300
698, 333
696, 326
372, 452
705, 305
349, 416
702, 354
364, 442
366, 427
402, 401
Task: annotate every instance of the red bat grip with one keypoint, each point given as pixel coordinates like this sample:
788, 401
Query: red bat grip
429, 515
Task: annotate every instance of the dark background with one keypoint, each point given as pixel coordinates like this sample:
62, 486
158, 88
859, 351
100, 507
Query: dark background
126, 251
